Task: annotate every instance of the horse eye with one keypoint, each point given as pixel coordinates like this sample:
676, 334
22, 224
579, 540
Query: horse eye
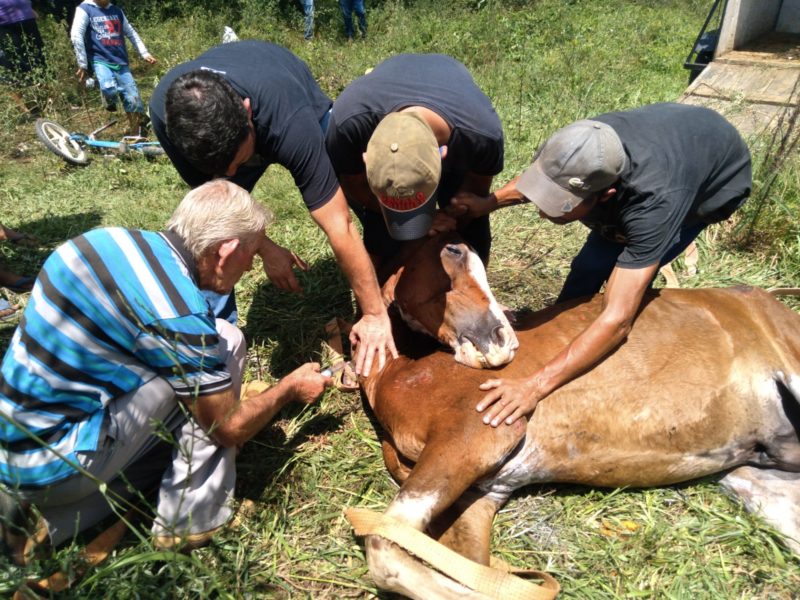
453, 249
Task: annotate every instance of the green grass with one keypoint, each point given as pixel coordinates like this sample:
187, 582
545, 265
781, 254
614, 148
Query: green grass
544, 64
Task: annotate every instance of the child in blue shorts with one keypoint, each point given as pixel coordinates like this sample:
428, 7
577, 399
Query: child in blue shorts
98, 37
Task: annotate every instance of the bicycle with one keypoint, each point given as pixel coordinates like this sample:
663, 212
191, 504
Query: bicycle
72, 146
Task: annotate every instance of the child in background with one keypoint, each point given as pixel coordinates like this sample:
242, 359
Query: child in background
97, 36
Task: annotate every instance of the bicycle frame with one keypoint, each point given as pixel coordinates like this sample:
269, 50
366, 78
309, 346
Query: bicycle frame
71, 146
130, 141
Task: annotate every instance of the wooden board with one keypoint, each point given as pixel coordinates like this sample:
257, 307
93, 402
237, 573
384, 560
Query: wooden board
754, 86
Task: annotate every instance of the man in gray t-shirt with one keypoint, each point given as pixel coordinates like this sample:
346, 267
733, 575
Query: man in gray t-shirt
646, 182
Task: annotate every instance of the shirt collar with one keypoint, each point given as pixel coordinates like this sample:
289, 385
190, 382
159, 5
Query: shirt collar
179, 247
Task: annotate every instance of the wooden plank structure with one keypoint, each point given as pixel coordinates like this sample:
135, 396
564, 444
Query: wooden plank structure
754, 78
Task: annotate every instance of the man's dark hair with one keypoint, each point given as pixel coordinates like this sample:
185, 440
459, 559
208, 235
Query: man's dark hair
206, 120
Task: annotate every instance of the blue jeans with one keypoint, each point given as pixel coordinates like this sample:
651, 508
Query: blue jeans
348, 7
308, 11
114, 84
592, 267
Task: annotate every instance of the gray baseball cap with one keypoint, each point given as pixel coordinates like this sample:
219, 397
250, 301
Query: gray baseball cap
575, 162
403, 170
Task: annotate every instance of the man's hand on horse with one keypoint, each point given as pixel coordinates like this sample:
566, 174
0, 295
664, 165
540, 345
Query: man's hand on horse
370, 335
508, 399
279, 264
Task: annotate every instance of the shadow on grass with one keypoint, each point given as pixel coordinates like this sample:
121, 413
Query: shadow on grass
270, 455
285, 330
49, 232
52, 230
290, 327
27, 259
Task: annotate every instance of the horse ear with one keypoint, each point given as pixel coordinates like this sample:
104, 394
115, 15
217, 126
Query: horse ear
387, 291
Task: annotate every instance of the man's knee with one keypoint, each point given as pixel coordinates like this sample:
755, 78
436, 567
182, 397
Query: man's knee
232, 340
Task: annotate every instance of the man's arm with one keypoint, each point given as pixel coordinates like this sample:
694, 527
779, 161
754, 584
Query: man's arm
476, 184
279, 263
373, 332
232, 422
471, 204
510, 399
455, 215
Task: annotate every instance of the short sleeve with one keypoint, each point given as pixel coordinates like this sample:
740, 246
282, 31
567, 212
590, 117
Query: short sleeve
652, 227
185, 352
301, 149
487, 157
347, 141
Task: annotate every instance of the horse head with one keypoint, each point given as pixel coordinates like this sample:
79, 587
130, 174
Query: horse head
440, 287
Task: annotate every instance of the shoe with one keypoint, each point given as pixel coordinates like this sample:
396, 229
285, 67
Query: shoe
22, 535
252, 388
7, 311
17, 237
185, 543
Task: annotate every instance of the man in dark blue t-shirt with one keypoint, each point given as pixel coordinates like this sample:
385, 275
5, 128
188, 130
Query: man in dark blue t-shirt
646, 182
463, 124
242, 106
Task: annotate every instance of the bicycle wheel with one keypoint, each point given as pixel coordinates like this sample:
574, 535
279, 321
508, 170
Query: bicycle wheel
152, 150
58, 140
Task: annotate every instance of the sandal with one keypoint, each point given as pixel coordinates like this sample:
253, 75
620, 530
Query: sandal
7, 310
17, 237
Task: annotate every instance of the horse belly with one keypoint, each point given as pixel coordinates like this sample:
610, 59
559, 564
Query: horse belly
604, 437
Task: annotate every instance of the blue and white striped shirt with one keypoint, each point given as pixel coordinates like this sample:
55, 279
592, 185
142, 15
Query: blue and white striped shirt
110, 311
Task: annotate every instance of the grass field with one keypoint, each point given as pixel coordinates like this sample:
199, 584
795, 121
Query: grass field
544, 63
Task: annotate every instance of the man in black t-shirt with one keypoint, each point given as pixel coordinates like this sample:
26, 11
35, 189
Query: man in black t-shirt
439, 91
646, 182
242, 106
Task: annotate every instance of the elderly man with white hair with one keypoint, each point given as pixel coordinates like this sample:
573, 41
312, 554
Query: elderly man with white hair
119, 379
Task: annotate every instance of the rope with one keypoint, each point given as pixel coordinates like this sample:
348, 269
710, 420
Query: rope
492, 582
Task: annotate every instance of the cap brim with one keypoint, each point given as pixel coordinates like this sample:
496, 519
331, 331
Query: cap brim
410, 224
552, 199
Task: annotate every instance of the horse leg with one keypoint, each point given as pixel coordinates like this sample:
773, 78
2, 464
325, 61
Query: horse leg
399, 468
771, 494
445, 469
466, 526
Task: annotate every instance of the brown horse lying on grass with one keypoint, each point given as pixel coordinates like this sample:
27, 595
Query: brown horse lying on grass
707, 380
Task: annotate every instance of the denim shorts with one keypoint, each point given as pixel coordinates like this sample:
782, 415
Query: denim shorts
119, 83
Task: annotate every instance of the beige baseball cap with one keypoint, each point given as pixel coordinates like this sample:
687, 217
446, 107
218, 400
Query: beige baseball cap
403, 171
575, 162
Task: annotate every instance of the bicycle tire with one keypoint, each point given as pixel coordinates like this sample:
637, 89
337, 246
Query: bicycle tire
57, 139
150, 151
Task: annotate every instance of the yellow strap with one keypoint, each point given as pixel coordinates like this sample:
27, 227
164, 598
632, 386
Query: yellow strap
494, 583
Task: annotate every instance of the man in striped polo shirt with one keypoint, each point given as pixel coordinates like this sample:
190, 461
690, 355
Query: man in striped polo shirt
116, 332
